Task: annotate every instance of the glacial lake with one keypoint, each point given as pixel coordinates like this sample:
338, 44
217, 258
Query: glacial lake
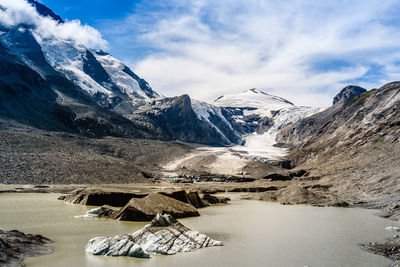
254, 233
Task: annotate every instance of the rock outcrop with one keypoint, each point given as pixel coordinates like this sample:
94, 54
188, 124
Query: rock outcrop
348, 93
389, 248
180, 118
145, 209
15, 246
164, 235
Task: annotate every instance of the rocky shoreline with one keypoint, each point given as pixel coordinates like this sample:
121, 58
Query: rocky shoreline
15, 246
304, 190
389, 248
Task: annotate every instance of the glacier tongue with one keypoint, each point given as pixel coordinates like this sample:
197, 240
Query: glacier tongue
263, 145
261, 116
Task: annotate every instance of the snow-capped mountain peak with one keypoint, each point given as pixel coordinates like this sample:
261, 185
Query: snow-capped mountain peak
254, 101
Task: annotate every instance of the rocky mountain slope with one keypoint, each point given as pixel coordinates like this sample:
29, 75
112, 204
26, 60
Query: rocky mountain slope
54, 88
59, 84
352, 149
70, 87
181, 118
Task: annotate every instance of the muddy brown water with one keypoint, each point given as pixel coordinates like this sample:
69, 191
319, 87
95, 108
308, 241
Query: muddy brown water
255, 233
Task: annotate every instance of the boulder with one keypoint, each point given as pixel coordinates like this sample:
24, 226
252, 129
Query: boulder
164, 235
99, 198
210, 199
145, 209
180, 195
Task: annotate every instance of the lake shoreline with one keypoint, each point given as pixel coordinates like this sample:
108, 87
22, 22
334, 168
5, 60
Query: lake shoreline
245, 189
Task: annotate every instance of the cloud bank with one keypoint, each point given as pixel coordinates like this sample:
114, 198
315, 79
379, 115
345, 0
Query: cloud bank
16, 12
305, 51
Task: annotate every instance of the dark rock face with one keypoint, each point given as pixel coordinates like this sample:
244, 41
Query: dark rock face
15, 246
94, 69
116, 199
278, 177
33, 99
174, 119
348, 93
142, 83
191, 198
23, 91
210, 199
195, 200
247, 123
45, 11
145, 209
49, 97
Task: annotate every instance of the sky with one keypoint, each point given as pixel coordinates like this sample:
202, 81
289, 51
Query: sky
302, 50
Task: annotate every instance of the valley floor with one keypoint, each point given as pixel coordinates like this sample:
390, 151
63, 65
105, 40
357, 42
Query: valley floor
43, 162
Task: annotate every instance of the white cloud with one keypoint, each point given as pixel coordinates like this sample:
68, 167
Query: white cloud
17, 12
209, 48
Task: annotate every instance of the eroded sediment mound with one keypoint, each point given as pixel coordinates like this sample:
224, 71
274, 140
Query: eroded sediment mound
145, 209
99, 198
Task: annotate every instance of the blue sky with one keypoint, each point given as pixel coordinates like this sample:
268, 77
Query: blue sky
305, 51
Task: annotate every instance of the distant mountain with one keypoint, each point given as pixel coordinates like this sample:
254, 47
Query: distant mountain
45, 11
255, 111
253, 101
88, 92
349, 122
63, 85
181, 118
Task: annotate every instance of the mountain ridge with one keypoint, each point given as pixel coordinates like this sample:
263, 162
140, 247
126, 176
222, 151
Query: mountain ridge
352, 147
90, 87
